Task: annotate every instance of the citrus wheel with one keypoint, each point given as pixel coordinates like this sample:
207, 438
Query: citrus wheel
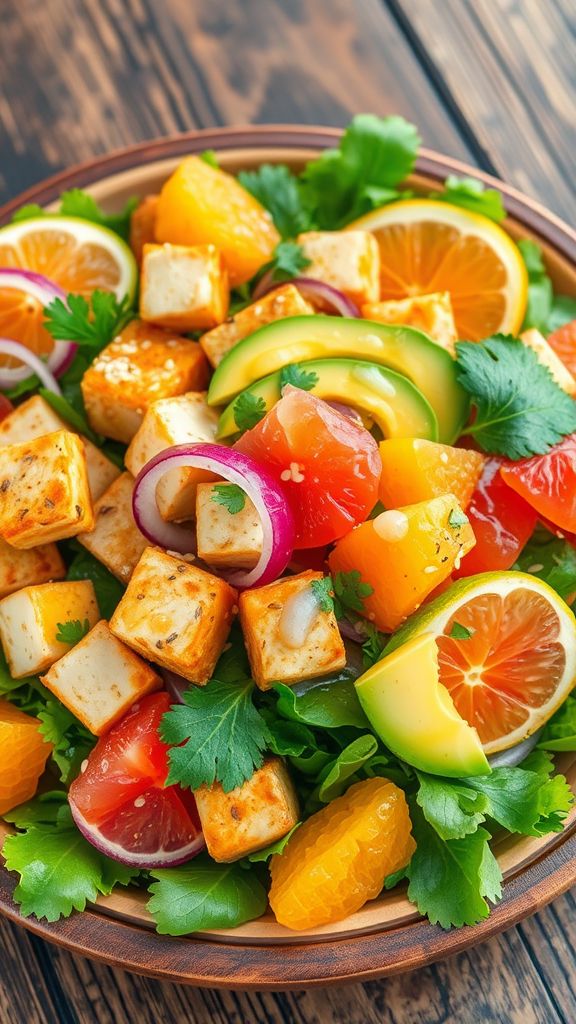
338, 859
507, 652
429, 246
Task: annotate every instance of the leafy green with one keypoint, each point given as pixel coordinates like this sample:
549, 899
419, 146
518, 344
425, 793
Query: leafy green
72, 416
520, 410
77, 203
298, 376
289, 261
249, 409
544, 311
209, 157
460, 632
526, 799
289, 737
70, 740
108, 589
27, 212
323, 592
27, 694
278, 190
278, 847
231, 496
325, 705
215, 735
373, 645
562, 312
471, 194
451, 808
337, 775
349, 592
72, 631
92, 323
203, 895
560, 732
46, 809
552, 560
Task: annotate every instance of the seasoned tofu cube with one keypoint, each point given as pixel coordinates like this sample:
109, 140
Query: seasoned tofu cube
142, 364
36, 417
33, 618
429, 313
44, 490
115, 540
143, 225
187, 419
100, 679
549, 359
282, 302
184, 287
287, 639
250, 817
347, 260
227, 534
24, 568
176, 615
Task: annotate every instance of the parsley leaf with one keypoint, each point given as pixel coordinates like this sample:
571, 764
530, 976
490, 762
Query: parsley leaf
92, 323
204, 895
460, 632
71, 741
560, 732
108, 589
298, 377
248, 409
451, 808
520, 410
216, 735
323, 592
72, 632
231, 496
279, 192
471, 194
349, 592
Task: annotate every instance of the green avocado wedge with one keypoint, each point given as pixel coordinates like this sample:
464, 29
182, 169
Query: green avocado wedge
380, 394
301, 338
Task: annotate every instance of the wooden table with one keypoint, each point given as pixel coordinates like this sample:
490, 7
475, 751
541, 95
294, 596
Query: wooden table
490, 81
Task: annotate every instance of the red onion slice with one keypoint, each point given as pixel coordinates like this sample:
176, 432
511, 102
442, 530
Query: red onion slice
175, 685
311, 288
257, 482
44, 291
31, 361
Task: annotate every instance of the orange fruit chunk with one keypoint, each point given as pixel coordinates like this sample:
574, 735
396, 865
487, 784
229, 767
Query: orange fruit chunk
143, 225
338, 859
23, 756
415, 470
563, 341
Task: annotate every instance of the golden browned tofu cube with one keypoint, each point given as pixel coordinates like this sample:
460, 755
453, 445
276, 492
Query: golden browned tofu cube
288, 638
26, 568
100, 679
432, 314
250, 817
228, 536
143, 225
36, 417
547, 356
187, 419
33, 618
346, 260
44, 493
144, 363
184, 287
115, 540
176, 615
282, 302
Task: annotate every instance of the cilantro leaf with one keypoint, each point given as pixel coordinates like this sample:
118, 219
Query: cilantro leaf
216, 735
471, 194
453, 810
560, 732
27, 212
278, 190
71, 741
526, 799
460, 632
249, 409
540, 296
520, 410
323, 592
278, 847
92, 323
326, 705
338, 774
72, 631
204, 895
231, 496
350, 591
108, 589
289, 261
76, 203
298, 377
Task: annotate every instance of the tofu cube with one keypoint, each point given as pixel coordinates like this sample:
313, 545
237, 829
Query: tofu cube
142, 364
44, 490
100, 679
115, 540
187, 419
184, 287
286, 643
549, 359
26, 568
282, 302
429, 313
250, 817
176, 615
143, 225
36, 417
347, 260
30, 621
226, 538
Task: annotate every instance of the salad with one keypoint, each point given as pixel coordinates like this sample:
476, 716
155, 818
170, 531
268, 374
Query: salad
287, 542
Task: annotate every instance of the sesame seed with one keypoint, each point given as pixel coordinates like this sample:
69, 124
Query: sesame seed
84, 765
139, 801
537, 567
431, 568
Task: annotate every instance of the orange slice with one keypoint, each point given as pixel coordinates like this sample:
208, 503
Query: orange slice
429, 246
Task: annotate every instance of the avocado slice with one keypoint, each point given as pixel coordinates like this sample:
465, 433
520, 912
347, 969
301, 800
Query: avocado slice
298, 338
386, 397
413, 713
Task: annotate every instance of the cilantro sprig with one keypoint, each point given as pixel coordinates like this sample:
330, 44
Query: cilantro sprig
248, 410
92, 323
230, 496
298, 376
472, 195
77, 203
72, 631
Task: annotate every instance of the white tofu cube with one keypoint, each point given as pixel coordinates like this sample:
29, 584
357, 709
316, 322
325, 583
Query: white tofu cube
549, 359
44, 490
30, 622
286, 643
432, 314
36, 417
184, 287
100, 679
115, 540
26, 568
250, 817
187, 419
176, 615
142, 364
282, 302
225, 537
347, 260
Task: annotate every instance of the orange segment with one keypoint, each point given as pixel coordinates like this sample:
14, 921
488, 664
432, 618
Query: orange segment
563, 341
23, 756
415, 470
338, 859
